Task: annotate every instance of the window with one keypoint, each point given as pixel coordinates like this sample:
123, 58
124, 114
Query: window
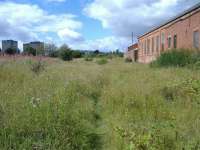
157, 43
163, 38
175, 41
196, 39
169, 41
163, 41
143, 47
148, 46
152, 44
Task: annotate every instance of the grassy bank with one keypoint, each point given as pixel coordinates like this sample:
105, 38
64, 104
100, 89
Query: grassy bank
84, 105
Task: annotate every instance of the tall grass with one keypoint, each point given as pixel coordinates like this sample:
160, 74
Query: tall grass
177, 58
81, 105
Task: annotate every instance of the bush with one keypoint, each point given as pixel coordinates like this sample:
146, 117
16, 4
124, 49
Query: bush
11, 51
102, 61
76, 54
177, 58
128, 60
65, 53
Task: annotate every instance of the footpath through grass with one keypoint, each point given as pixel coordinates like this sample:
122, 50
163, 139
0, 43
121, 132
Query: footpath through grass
83, 105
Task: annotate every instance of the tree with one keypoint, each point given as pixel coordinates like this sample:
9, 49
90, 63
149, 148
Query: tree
54, 54
10, 51
65, 53
50, 50
96, 52
30, 51
76, 54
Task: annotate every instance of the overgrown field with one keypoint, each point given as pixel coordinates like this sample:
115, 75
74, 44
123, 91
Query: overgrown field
85, 105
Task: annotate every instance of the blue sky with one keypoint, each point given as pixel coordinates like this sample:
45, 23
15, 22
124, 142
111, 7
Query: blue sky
84, 24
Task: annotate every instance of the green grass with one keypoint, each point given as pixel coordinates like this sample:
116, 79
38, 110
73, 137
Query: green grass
81, 105
102, 61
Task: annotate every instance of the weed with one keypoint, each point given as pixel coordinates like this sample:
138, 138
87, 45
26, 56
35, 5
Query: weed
37, 67
128, 60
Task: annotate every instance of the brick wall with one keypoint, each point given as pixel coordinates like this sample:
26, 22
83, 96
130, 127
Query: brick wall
183, 28
130, 52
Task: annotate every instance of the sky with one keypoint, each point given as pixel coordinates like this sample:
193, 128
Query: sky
105, 25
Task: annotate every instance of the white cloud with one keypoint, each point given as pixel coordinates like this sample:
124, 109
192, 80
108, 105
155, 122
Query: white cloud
137, 16
26, 22
70, 35
109, 43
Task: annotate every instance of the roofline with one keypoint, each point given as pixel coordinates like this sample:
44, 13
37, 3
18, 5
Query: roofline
195, 7
9, 40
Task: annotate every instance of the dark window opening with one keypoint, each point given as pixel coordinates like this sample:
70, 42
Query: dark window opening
175, 41
157, 43
196, 39
152, 45
169, 42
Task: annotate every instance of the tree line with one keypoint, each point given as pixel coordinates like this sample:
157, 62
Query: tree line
64, 52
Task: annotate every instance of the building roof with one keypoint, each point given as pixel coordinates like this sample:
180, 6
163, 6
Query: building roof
36, 42
9, 41
133, 47
195, 7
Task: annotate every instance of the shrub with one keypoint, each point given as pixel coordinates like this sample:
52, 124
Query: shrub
128, 60
102, 61
177, 58
37, 67
65, 53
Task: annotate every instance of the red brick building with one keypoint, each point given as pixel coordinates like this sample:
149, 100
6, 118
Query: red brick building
132, 52
180, 32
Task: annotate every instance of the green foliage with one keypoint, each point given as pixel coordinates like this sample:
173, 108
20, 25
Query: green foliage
30, 51
10, 51
65, 53
118, 53
76, 54
176, 58
102, 61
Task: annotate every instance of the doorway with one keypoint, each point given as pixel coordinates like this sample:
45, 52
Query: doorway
136, 55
